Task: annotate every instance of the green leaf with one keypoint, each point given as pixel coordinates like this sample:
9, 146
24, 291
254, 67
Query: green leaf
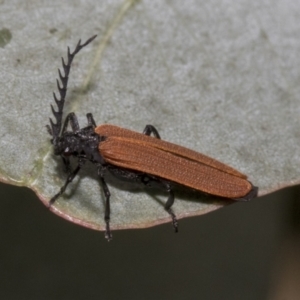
221, 78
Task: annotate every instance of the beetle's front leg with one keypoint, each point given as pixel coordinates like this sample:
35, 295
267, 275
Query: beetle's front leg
70, 178
66, 162
71, 117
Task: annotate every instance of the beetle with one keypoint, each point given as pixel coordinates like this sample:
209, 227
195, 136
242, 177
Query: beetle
137, 157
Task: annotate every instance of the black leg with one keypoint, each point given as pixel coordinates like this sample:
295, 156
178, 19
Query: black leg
147, 131
69, 179
66, 162
168, 206
151, 181
91, 121
151, 129
71, 117
106, 191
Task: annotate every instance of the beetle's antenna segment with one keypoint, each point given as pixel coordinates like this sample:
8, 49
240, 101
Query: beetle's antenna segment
55, 128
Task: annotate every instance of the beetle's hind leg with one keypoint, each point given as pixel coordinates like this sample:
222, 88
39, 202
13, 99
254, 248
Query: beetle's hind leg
151, 129
152, 181
169, 204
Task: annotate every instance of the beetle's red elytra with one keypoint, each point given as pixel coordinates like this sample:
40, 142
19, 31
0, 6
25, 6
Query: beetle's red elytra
137, 157
132, 150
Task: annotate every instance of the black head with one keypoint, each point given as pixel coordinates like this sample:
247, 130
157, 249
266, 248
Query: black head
68, 144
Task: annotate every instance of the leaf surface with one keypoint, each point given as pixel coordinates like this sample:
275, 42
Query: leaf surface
219, 77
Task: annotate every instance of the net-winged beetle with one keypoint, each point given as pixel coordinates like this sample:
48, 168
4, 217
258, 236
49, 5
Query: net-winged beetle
138, 157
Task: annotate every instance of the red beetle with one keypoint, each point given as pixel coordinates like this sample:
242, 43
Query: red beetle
138, 157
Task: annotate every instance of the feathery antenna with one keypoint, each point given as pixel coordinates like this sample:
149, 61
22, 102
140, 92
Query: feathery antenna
55, 128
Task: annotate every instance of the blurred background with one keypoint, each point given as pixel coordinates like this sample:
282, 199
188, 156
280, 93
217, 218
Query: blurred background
243, 251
